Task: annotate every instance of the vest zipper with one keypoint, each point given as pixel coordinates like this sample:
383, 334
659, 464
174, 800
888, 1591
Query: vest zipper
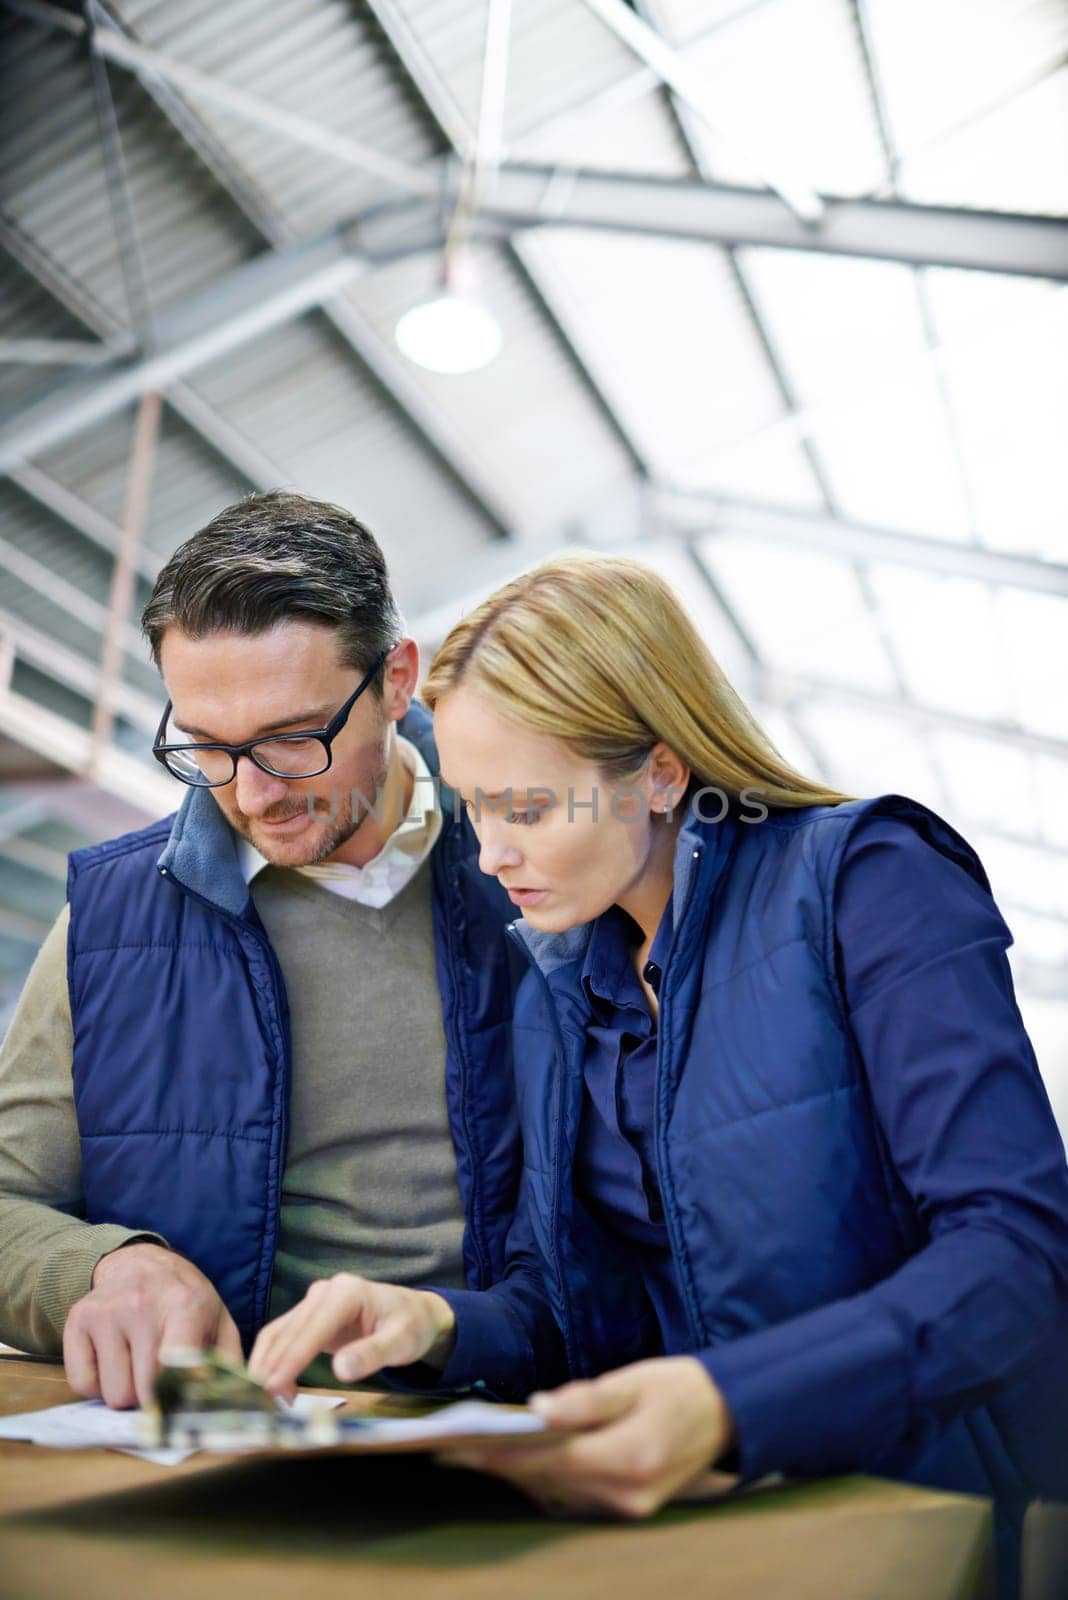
682, 1265
240, 926
574, 1361
477, 1227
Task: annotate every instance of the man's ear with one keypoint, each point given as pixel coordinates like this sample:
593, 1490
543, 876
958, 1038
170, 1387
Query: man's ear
400, 679
670, 776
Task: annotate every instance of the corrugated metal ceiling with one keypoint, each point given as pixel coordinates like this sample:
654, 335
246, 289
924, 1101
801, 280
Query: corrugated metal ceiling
929, 400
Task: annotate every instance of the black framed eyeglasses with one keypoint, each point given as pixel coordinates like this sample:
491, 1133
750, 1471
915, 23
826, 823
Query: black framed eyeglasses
284, 755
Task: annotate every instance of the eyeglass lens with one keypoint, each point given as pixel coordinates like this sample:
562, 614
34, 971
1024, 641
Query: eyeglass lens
287, 758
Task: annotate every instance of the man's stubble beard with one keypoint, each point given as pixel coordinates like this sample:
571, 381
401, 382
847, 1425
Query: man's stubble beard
338, 831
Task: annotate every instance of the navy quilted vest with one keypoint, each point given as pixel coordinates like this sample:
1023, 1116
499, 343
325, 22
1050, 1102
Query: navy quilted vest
182, 1054
758, 1074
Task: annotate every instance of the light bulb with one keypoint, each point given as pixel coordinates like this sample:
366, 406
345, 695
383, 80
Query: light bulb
450, 333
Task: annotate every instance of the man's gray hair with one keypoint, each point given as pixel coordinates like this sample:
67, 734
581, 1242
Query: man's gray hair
275, 557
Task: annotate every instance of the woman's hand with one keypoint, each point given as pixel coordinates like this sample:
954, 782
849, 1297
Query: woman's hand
366, 1325
651, 1432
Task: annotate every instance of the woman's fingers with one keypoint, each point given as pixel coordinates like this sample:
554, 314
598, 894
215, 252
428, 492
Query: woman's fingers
646, 1432
367, 1325
321, 1331
324, 1318
393, 1344
587, 1403
271, 1339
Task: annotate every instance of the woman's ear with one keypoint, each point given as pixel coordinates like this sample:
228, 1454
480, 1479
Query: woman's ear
670, 777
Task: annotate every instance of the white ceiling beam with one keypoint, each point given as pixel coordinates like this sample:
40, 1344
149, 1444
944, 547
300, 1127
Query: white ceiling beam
933, 235
388, 232
78, 514
67, 745
227, 442
54, 352
529, 195
75, 671
691, 512
67, 596
533, 196
40, 858
79, 804
373, 352
25, 929
124, 52
255, 298
20, 812
796, 693
72, 800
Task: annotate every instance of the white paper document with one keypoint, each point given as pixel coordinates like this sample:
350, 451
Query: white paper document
464, 1419
89, 1424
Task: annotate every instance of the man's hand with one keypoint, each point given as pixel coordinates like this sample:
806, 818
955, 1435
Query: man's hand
366, 1325
143, 1298
651, 1432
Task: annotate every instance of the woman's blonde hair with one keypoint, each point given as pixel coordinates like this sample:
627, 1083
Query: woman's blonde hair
597, 651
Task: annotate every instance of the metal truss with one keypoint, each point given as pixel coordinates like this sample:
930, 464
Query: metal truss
796, 692
73, 670
696, 511
69, 747
384, 232
231, 446
77, 514
168, 83
541, 196
255, 298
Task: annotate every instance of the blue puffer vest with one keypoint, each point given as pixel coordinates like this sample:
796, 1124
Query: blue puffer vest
182, 1055
751, 986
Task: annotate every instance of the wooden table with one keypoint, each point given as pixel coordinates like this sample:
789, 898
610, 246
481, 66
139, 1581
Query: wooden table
103, 1526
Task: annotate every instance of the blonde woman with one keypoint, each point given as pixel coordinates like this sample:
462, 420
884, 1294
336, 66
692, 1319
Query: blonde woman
793, 1193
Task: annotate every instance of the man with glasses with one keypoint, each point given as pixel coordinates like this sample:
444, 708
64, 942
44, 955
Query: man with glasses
265, 1038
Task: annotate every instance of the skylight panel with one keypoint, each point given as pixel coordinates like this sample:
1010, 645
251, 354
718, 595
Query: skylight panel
947, 64
1005, 360
788, 77
1051, 784
1035, 632
869, 752
1014, 159
616, 131
888, 455
838, 325
988, 783
947, 640
1038, 939
1024, 877
804, 610
664, 330
683, 21
770, 467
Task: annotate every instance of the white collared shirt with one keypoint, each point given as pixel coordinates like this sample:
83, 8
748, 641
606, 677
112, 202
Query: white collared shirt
399, 859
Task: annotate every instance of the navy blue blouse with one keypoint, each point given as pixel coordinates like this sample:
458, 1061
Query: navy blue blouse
887, 880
